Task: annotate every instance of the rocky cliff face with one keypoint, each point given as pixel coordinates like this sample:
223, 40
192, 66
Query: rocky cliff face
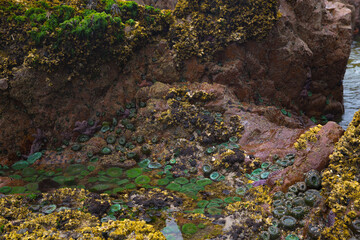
299, 65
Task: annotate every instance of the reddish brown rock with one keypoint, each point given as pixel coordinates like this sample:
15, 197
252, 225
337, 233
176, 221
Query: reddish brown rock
315, 156
95, 145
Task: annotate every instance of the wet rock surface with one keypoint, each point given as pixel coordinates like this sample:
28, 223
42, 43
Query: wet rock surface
164, 147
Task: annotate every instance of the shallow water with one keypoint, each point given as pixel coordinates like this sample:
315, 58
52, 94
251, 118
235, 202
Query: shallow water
352, 85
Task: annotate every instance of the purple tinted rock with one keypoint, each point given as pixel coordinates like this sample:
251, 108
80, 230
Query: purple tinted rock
84, 128
259, 183
331, 219
38, 142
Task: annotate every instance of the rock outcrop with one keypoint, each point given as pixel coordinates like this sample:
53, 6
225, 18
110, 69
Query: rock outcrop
299, 66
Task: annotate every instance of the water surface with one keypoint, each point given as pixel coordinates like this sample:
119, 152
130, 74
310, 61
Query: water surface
352, 85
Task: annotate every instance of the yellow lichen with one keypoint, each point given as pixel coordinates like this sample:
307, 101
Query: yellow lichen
340, 182
308, 136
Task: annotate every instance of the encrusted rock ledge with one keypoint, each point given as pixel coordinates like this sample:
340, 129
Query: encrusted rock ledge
276, 61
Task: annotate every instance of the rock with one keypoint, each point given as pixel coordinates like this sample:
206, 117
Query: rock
4, 84
277, 70
95, 144
315, 156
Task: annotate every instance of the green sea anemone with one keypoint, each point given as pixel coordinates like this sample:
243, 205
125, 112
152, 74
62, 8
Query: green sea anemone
189, 228
279, 211
142, 179
34, 157
20, 165
288, 222
173, 186
111, 139
75, 169
114, 172
134, 172
181, 180
105, 151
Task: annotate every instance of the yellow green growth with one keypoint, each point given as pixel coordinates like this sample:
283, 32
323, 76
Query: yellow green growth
340, 181
309, 136
207, 26
16, 217
43, 33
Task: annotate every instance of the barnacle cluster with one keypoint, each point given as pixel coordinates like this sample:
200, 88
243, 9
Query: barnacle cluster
341, 183
186, 109
308, 136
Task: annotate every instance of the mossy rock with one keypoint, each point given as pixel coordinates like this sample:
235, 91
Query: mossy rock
114, 172
142, 179
134, 172
189, 228
69, 180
